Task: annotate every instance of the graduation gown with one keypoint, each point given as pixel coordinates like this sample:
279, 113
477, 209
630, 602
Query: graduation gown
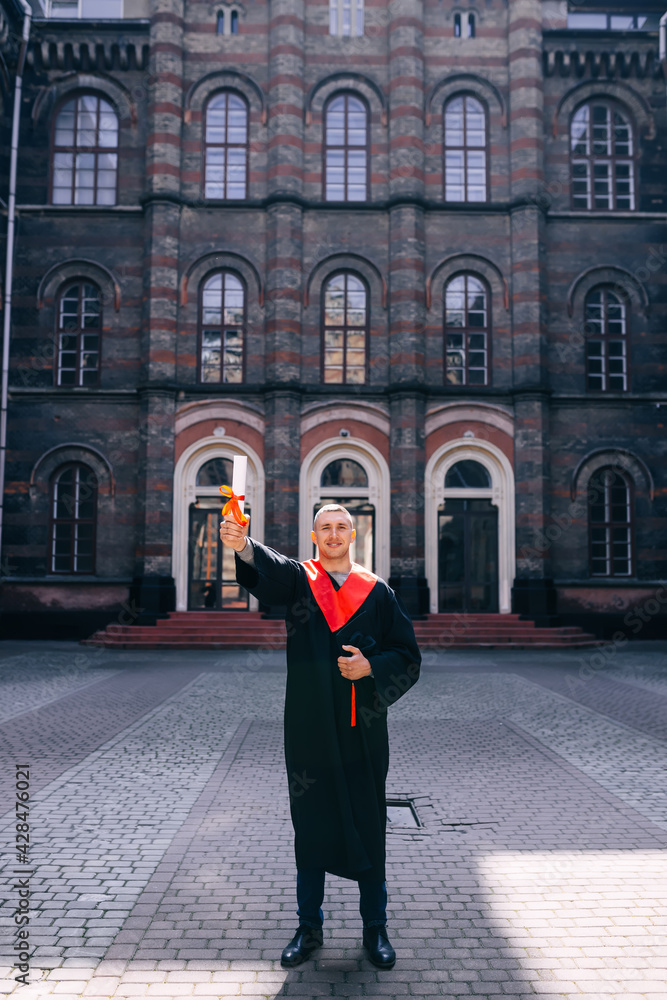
336, 744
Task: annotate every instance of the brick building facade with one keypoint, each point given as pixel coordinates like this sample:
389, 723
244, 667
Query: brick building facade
409, 255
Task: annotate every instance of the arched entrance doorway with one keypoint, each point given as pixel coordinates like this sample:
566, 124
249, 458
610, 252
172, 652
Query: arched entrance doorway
469, 527
204, 571
467, 541
345, 481
212, 582
355, 474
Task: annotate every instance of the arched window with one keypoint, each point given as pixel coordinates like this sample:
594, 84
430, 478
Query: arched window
73, 510
457, 25
346, 17
471, 25
79, 331
467, 328
345, 481
606, 328
226, 152
465, 149
345, 329
220, 25
222, 329
467, 475
602, 150
85, 153
610, 524
234, 22
346, 145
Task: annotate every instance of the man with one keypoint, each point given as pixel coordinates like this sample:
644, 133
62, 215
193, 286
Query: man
351, 652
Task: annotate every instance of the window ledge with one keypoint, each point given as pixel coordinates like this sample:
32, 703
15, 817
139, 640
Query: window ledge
79, 208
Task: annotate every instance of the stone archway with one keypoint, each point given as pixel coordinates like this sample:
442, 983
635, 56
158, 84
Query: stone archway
501, 494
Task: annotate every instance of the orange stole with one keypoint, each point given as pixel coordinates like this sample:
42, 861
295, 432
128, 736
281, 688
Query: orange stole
338, 606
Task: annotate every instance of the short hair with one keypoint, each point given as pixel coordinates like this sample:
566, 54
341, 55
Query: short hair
332, 506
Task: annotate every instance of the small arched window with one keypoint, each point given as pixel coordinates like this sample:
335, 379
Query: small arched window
457, 25
346, 149
220, 27
73, 512
234, 22
465, 149
344, 472
471, 25
610, 524
222, 329
79, 332
85, 153
467, 330
602, 152
606, 329
345, 329
467, 475
226, 151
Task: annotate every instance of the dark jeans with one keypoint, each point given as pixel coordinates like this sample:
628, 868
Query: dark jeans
310, 893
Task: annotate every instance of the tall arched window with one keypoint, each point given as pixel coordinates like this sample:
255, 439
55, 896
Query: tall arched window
222, 329
465, 149
85, 153
610, 524
606, 329
344, 329
73, 510
467, 329
79, 331
345, 481
602, 151
226, 152
346, 149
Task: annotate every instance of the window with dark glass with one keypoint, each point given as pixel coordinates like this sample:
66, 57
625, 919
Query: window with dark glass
345, 329
471, 25
220, 25
85, 153
465, 150
467, 475
606, 331
467, 331
73, 508
79, 331
222, 329
226, 152
610, 524
346, 149
457, 25
602, 152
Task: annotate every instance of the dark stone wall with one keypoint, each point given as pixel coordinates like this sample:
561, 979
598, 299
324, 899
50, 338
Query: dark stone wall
151, 252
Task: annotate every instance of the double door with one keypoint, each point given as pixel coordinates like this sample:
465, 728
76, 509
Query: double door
212, 582
467, 556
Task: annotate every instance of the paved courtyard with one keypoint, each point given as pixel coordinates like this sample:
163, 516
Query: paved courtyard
161, 847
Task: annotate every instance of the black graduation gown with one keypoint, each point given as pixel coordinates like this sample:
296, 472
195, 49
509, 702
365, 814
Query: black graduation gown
336, 771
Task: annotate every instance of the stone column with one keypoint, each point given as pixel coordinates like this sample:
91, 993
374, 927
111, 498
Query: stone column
533, 591
407, 300
284, 273
153, 586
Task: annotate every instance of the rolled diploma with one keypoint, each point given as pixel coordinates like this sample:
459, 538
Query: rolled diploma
239, 477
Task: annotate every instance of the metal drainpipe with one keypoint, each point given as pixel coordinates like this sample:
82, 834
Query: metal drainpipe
9, 263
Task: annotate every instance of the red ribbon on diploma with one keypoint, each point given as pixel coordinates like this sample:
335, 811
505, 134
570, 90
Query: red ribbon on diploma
232, 505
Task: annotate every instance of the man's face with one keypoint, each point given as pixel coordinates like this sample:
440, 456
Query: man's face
333, 533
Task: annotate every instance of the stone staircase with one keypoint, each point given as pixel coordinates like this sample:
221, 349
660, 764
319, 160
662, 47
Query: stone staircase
249, 630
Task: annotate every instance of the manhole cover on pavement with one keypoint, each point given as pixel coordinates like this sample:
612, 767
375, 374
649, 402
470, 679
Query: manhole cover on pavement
401, 814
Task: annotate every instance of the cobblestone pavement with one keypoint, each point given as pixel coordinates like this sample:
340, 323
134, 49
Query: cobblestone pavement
161, 845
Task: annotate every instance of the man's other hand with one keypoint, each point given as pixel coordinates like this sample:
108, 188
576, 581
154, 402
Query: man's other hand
232, 534
354, 667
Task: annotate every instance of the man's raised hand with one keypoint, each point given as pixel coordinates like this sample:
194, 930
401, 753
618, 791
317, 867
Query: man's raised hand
232, 534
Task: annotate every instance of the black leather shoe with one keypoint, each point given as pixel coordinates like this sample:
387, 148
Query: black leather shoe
379, 949
302, 945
